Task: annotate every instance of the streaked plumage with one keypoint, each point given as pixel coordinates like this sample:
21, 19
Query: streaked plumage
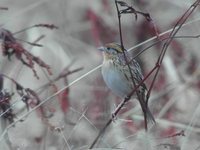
117, 76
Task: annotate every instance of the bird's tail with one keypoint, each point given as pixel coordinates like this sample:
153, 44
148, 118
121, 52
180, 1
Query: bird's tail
148, 117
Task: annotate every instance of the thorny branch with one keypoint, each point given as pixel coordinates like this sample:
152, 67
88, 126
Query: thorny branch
157, 66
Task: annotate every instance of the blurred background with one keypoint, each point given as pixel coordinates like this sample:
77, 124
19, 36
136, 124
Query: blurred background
71, 119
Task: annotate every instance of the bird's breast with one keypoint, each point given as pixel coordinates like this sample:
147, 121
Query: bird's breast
115, 79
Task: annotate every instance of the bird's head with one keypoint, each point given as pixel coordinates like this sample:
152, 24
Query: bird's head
111, 50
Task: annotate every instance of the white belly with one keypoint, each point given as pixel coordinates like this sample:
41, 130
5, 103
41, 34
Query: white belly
115, 80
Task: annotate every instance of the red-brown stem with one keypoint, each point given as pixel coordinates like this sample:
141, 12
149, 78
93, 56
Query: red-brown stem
120, 107
127, 63
161, 40
175, 30
185, 16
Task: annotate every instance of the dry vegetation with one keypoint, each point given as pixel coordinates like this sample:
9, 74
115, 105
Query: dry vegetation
52, 93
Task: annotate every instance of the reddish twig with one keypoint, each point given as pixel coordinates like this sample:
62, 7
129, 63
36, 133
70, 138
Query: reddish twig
144, 108
28, 96
10, 46
30, 43
43, 25
162, 40
175, 30
121, 105
181, 133
156, 68
60, 76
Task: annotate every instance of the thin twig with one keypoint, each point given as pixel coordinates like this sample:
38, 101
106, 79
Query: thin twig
49, 26
156, 68
82, 77
46, 100
174, 31
162, 40
121, 105
144, 108
65, 139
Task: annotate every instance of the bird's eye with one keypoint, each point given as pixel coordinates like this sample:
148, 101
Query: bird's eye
108, 48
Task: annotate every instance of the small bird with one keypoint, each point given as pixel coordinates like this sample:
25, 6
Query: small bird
117, 76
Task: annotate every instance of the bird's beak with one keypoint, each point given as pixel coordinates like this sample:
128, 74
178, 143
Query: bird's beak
101, 48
